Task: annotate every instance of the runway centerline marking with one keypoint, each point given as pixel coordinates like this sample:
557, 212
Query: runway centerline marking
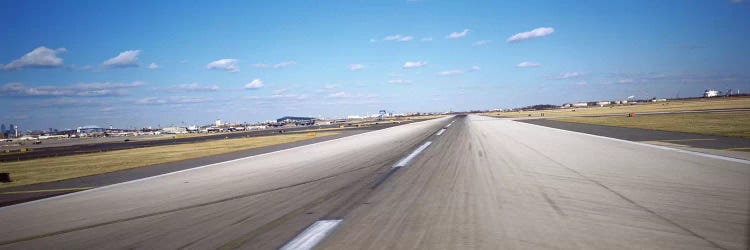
312, 235
411, 156
440, 132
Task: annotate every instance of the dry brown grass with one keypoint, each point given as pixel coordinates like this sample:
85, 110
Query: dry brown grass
67, 167
736, 124
677, 105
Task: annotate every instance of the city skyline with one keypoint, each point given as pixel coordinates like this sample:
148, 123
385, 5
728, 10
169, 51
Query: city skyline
107, 63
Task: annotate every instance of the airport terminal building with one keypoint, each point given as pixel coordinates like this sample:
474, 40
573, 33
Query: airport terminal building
300, 121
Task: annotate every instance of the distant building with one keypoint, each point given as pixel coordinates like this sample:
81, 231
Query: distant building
296, 120
174, 130
603, 103
579, 105
2, 128
218, 122
710, 93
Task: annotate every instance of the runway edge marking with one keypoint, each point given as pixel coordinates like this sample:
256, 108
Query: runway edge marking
200, 167
719, 157
312, 235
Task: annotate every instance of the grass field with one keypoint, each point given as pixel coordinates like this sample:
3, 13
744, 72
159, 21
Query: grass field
67, 167
736, 124
672, 105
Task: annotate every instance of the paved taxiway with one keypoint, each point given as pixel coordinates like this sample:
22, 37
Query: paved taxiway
482, 183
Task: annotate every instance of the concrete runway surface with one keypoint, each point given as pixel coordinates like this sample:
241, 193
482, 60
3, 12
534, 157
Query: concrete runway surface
483, 183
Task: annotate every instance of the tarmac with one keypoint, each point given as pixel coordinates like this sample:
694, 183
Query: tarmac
481, 183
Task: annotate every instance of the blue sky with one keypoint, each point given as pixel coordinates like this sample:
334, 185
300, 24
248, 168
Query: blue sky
72, 63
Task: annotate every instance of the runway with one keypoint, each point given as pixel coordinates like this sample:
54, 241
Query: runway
482, 183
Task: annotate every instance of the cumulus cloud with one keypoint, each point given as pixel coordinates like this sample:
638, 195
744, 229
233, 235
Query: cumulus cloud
538, 32
80, 89
41, 57
172, 100
338, 95
482, 42
458, 71
399, 38
355, 67
416, 64
528, 65
625, 81
224, 64
275, 66
153, 66
125, 59
451, 72
280, 91
193, 87
400, 81
568, 75
254, 84
458, 34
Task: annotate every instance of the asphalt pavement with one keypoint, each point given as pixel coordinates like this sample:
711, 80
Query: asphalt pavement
636, 134
482, 183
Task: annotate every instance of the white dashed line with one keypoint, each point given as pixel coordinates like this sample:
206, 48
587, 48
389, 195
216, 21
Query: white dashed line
440, 132
411, 156
312, 235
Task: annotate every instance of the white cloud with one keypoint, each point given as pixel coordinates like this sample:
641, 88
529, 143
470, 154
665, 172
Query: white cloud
41, 57
399, 38
400, 81
427, 39
125, 59
331, 86
451, 72
338, 95
280, 91
80, 89
458, 71
172, 100
528, 65
417, 64
153, 66
568, 75
482, 42
458, 34
624, 81
275, 66
224, 64
193, 87
538, 32
254, 84
355, 67
372, 40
